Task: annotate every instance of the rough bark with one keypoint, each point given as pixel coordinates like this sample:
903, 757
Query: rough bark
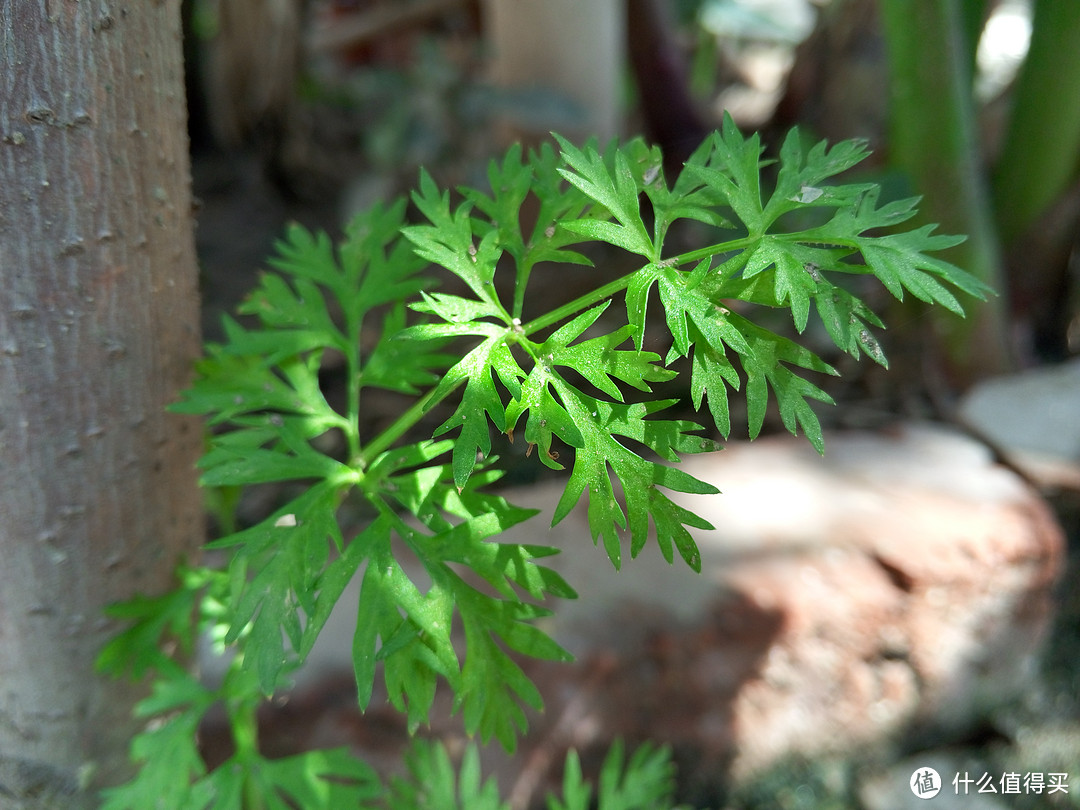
98, 327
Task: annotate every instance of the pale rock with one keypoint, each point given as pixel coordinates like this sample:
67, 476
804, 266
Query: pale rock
1034, 418
900, 582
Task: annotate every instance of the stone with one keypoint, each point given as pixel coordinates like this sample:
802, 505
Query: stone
1033, 418
901, 584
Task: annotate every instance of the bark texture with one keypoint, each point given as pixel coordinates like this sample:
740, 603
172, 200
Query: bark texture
98, 328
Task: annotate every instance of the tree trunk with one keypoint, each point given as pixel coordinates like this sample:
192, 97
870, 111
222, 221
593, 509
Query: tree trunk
98, 328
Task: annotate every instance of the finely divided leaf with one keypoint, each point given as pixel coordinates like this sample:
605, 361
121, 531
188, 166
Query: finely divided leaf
285, 555
510, 185
847, 320
230, 387
899, 260
793, 286
432, 782
766, 365
410, 630
600, 423
449, 241
598, 360
405, 366
614, 188
171, 770
733, 175
799, 182
547, 416
480, 397
647, 782
326, 779
689, 199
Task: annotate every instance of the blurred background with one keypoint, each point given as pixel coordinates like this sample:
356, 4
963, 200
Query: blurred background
310, 110
329, 105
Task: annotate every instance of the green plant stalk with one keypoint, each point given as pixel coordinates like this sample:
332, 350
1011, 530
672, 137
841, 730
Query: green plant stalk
353, 370
385, 440
577, 305
973, 20
620, 284
694, 256
933, 139
245, 729
524, 271
1042, 145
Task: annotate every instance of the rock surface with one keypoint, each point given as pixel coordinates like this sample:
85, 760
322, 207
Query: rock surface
1037, 410
1034, 418
901, 582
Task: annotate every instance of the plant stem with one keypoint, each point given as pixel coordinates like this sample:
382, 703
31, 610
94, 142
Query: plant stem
973, 20
353, 323
713, 250
933, 140
352, 432
578, 304
245, 731
620, 284
385, 440
1042, 145
524, 270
